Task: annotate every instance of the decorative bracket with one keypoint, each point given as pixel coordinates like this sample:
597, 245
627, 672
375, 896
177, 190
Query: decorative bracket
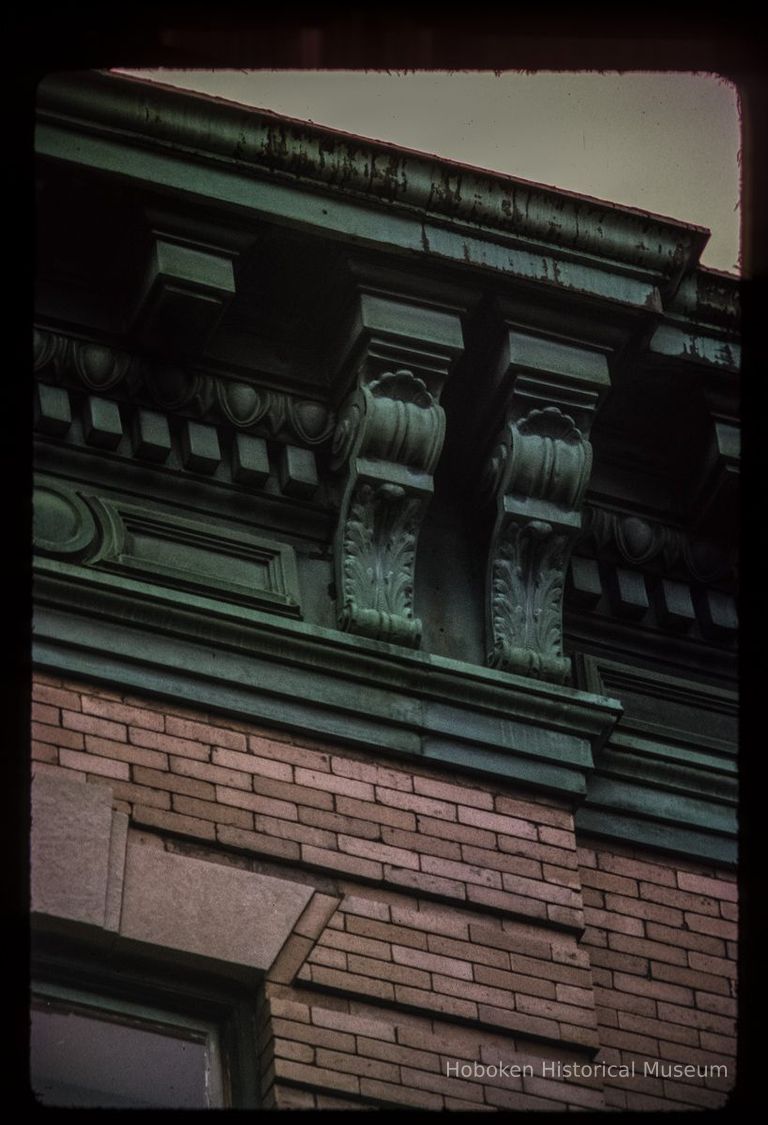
537, 474
388, 438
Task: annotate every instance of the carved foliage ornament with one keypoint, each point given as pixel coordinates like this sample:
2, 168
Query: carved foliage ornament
388, 439
538, 473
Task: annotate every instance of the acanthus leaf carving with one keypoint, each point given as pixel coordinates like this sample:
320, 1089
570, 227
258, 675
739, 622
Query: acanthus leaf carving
388, 438
538, 470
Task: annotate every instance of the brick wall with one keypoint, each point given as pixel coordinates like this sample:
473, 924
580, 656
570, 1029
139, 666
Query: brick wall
456, 930
661, 938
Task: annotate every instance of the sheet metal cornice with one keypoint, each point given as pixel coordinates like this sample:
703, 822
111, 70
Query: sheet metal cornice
276, 146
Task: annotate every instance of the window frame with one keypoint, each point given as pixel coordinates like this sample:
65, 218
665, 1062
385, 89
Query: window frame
149, 990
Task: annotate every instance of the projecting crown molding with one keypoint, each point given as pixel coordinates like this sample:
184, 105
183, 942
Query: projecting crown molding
270, 146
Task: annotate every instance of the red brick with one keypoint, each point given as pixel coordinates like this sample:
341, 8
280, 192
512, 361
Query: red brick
284, 1049
355, 1064
90, 763
257, 842
623, 1001
680, 900
432, 962
572, 1094
480, 955
558, 838
354, 943
379, 814
399, 1095
619, 884
214, 735
501, 900
422, 881
718, 927
206, 772
724, 1044
702, 943
417, 842
535, 811
350, 982
625, 962
628, 1041
549, 892
637, 869
496, 822
91, 724
354, 1024
625, 943
161, 779
289, 1009
336, 822
568, 994
620, 923
122, 713
44, 752
705, 1021
169, 744
174, 822
316, 1036
56, 697
385, 853
256, 803
372, 773
692, 978
44, 678
57, 771
43, 713
370, 927
456, 794
316, 1076
125, 752
458, 833
710, 1002
289, 830
514, 982
140, 794
250, 763
545, 853
354, 865
431, 918
333, 783
427, 806
658, 990
364, 905
286, 752
392, 1052
427, 1000
293, 794
388, 970
658, 1028
517, 865
640, 908
714, 888
693, 1095
730, 911
212, 810
556, 1010
57, 736
324, 955
565, 876
462, 872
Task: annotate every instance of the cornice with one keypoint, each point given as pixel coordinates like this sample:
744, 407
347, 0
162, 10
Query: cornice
268, 145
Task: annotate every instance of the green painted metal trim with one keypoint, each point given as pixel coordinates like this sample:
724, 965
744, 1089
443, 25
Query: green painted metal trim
265, 144
675, 839
230, 187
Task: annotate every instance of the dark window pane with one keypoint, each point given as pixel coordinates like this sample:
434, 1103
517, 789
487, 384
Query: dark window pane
82, 1060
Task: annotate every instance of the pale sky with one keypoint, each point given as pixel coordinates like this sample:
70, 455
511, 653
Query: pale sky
664, 142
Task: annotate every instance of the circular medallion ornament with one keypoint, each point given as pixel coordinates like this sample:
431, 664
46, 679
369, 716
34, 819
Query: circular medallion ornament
62, 522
